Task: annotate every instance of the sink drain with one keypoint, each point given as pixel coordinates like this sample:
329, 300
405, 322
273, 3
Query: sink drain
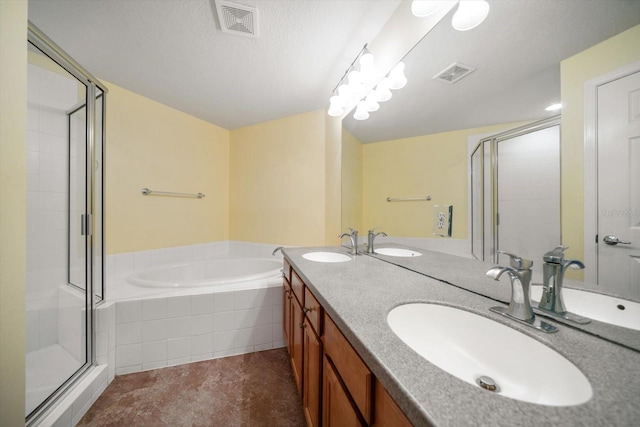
488, 383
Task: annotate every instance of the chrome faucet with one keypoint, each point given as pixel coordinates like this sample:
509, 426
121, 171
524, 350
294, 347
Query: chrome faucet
520, 304
353, 236
553, 270
371, 237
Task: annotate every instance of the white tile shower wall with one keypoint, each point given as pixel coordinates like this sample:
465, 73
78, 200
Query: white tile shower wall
71, 325
49, 96
158, 332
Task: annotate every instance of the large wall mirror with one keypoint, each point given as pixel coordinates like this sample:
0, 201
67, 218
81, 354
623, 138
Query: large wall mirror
421, 141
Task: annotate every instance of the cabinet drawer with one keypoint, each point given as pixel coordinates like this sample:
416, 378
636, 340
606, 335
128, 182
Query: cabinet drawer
297, 286
353, 371
313, 311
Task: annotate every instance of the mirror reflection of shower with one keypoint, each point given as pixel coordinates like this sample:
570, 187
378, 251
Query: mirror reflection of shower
64, 245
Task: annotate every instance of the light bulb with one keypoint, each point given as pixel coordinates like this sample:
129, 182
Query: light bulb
372, 102
422, 8
345, 93
397, 80
470, 14
361, 111
382, 90
335, 106
366, 63
358, 91
367, 69
355, 77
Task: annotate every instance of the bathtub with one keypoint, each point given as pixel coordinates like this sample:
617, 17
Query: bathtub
215, 273
226, 301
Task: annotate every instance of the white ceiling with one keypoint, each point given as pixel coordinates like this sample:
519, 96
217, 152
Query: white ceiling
173, 51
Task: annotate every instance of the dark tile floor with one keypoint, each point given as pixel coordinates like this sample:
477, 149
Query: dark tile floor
255, 389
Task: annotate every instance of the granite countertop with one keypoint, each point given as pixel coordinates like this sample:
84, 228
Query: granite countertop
359, 294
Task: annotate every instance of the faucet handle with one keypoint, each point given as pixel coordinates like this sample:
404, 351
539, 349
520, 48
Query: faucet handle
556, 255
373, 230
518, 262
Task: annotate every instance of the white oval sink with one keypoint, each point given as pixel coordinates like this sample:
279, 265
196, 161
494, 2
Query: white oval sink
396, 252
603, 308
326, 257
470, 346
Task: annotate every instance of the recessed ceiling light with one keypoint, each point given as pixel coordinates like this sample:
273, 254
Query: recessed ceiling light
554, 107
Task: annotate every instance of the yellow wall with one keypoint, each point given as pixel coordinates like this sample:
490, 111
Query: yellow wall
333, 179
13, 191
596, 61
278, 181
351, 181
434, 165
154, 146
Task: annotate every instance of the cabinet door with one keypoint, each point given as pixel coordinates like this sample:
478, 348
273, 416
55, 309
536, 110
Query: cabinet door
337, 409
286, 314
297, 340
312, 378
386, 410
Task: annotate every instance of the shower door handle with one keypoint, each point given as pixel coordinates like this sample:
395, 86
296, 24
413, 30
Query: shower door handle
85, 225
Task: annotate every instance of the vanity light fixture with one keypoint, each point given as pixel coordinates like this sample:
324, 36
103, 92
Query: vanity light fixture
352, 88
554, 107
470, 13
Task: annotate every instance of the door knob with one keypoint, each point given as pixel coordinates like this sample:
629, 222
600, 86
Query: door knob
613, 240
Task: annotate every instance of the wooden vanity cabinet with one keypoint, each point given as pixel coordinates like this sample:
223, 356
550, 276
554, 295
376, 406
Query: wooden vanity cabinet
337, 387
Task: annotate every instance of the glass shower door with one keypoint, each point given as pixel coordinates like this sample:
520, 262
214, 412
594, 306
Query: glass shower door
64, 243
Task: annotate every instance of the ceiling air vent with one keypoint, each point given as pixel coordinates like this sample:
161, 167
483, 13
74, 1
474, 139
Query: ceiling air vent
454, 73
237, 18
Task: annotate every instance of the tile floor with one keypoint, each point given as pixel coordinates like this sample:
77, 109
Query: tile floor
254, 389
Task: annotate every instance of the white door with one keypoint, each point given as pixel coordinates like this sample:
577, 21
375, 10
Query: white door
619, 185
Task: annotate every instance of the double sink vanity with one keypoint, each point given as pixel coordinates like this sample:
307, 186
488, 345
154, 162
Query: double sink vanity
405, 336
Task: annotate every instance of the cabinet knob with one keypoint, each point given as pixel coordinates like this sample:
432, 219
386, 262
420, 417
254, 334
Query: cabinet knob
302, 325
307, 309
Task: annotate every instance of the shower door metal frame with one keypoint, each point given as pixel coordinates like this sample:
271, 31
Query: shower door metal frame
43, 43
491, 143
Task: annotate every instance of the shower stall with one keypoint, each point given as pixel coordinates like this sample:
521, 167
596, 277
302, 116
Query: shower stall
65, 274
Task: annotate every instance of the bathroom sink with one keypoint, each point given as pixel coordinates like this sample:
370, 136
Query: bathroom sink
397, 252
326, 257
603, 308
483, 352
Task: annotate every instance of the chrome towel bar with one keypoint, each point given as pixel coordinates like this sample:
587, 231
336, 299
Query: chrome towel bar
147, 192
409, 199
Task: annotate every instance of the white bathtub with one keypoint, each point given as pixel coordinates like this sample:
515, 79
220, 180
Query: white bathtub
215, 273
180, 305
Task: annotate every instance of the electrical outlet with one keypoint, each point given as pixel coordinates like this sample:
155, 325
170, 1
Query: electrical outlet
442, 220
